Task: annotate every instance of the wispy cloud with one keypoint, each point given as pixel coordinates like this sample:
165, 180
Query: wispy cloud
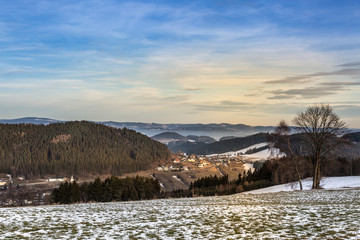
281, 96
308, 92
351, 64
193, 89
340, 83
302, 79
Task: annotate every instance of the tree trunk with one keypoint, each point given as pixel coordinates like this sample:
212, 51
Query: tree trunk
297, 173
300, 182
316, 177
295, 163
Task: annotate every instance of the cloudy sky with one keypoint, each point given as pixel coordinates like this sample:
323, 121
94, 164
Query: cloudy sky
251, 62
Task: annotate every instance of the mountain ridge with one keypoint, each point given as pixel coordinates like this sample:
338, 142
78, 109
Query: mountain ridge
178, 126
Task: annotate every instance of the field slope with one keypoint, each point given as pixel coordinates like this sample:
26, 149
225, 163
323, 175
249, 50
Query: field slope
318, 214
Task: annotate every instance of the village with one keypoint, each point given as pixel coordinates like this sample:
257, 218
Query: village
184, 162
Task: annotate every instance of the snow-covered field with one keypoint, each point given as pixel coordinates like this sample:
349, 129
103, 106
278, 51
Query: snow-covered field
319, 214
241, 151
258, 156
329, 183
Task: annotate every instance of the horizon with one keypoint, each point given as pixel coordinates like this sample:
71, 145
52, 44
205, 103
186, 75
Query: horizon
253, 63
165, 123
49, 118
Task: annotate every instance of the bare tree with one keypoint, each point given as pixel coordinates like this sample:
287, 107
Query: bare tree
282, 137
320, 129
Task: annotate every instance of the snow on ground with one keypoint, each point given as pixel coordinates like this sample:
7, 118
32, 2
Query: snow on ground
248, 166
329, 183
178, 179
241, 151
254, 157
285, 215
263, 155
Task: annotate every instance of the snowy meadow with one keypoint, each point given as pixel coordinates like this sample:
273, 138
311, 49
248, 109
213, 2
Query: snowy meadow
318, 214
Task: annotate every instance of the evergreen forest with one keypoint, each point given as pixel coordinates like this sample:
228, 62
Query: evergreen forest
112, 189
75, 148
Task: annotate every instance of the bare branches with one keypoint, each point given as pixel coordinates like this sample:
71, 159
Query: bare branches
321, 130
282, 136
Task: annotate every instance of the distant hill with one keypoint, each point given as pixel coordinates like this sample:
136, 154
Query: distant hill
227, 138
228, 145
213, 129
353, 137
205, 139
76, 148
30, 120
174, 138
166, 137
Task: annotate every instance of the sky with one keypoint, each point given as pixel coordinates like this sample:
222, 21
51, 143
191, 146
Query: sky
211, 61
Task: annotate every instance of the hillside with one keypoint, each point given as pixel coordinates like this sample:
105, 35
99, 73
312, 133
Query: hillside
177, 142
166, 137
233, 144
353, 137
75, 148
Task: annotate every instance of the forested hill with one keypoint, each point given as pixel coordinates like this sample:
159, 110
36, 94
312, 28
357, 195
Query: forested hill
353, 137
223, 146
75, 148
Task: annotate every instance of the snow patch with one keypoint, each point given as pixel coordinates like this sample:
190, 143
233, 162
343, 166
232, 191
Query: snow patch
329, 183
248, 166
178, 179
264, 155
241, 151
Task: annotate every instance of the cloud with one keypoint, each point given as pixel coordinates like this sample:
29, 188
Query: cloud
308, 92
192, 89
233, 103
340, 83
291, 80
223, 106
301, 79
155, 97
236, 109
281, 97
348, 110
49, 85
351, 64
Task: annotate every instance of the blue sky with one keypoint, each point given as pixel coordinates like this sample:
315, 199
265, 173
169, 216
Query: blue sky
252, 62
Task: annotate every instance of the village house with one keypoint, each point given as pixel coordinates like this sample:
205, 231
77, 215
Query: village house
3, 184
6, 177
56, 179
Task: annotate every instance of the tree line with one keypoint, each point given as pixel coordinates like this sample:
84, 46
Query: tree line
143, 188
111, 189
